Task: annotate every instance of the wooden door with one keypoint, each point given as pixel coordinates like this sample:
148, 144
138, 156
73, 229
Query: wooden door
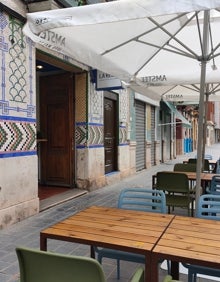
110, 132
57, 127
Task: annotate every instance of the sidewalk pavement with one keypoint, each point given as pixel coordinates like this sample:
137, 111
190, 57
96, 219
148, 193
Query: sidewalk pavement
26, 233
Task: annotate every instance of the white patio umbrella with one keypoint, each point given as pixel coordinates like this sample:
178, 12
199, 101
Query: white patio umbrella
143, 42
181, 94
190, 94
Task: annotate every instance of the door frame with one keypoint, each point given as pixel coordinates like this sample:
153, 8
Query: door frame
113, 96
64, 67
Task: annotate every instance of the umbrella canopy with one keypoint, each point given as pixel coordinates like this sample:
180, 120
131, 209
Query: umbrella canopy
142, 42
182, 94
129, 38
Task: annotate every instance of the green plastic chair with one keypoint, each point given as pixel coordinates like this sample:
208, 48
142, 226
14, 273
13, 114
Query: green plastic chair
168, 278
177, 190
188, 167
138, 276
41, 266
206, 164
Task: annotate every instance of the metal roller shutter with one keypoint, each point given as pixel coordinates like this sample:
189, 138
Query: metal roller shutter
152, 135
140, 135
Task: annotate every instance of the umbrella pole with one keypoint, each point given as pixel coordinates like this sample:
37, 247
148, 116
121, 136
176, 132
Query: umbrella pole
205, 126
201, 106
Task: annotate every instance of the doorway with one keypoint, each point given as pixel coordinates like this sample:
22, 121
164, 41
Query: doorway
110, 132
56, 154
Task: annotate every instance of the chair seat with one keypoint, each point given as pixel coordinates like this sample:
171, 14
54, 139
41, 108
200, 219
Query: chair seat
110, 253
178, 201
194, 269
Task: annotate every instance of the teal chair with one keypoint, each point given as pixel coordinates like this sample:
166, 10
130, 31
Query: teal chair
209, 208
134, 199
40, 266
206, 157
214, 186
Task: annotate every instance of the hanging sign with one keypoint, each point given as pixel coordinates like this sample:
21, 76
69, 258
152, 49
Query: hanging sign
106, 81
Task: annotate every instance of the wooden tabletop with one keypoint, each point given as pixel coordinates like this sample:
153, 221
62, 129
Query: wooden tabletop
126, 230
189, 240
205, 176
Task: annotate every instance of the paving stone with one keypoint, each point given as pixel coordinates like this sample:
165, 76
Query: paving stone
27, 232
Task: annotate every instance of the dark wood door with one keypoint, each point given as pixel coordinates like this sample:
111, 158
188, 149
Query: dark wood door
110, 132
57, 127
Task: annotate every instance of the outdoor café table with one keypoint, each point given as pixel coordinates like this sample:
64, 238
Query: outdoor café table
188, 240
126, 230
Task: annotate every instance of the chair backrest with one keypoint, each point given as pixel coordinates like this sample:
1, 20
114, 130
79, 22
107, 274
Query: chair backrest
172, 182
215, 185
42, 266
192, 161
207, 157
190, 167
138, 276
218, 167
142, 199
209, 207
168, 278
206, 163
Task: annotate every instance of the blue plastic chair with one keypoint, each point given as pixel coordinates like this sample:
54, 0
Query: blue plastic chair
207, 157
217, 167
214, 186
134, 199
209, 208
142, 199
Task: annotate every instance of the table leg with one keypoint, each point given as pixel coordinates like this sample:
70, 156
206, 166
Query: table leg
175, 270
154, 269
92, 252
43, 242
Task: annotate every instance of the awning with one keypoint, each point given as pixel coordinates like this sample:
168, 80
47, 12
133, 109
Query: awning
178, 115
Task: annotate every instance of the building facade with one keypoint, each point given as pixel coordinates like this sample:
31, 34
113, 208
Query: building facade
58, 129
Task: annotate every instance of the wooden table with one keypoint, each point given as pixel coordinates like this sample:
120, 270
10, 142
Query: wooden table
189, 240
125, 230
